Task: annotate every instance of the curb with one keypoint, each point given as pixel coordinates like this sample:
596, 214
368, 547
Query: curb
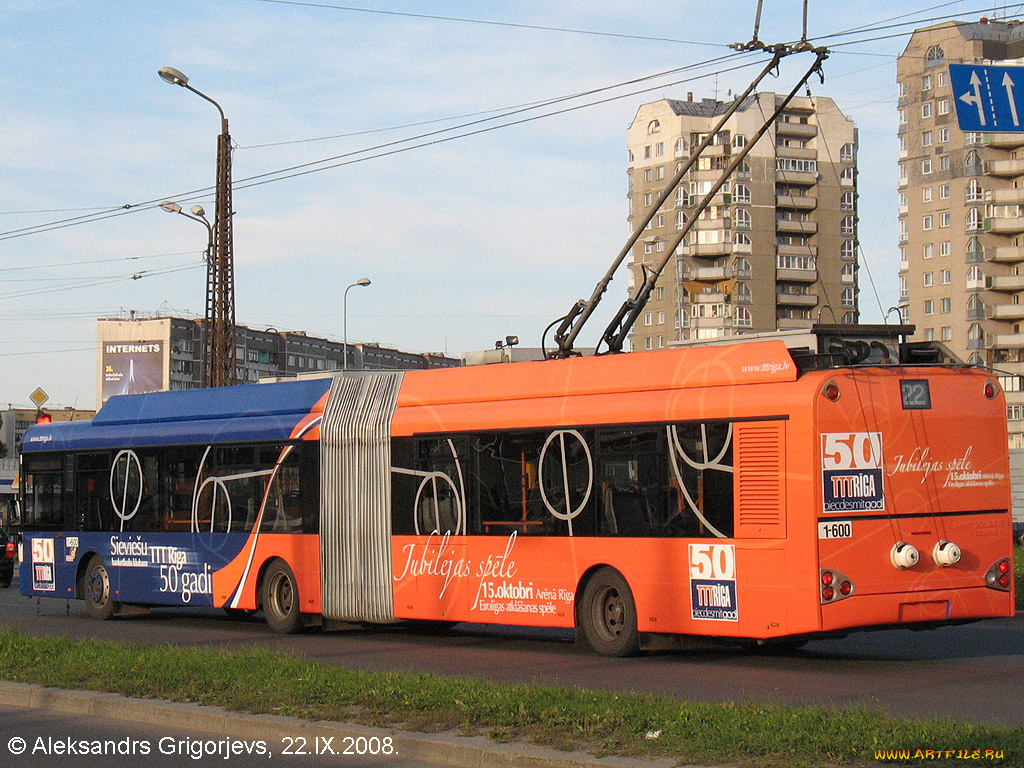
441, 749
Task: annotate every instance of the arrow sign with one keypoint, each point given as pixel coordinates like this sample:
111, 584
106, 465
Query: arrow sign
986, 97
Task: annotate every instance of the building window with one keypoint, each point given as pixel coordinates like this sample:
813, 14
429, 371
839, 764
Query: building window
945, 306
846, 177
741, 219
741, 194
926, 109
926, 165
659, 149
944, 163
945, 248
929, 307
943, 106
943, 135
654, 126
944, 219
849, 273
926, 83
848, 225
926, 223
848, 202
934, 55
975, 277
974, 220
926, 139
849, 297
927, 251
975, 193
946, 277
943, 191
847, 153
929, 279
848, 250
739, 141
926, 195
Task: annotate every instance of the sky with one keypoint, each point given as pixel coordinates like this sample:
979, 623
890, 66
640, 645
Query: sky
466, 240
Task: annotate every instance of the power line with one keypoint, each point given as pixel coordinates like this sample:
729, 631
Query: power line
96, 261
487, 22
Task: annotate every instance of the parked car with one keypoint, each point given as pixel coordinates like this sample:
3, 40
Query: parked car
7, 553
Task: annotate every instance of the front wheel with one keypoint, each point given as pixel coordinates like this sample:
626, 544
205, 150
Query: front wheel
607, 615
281, 599
96, 590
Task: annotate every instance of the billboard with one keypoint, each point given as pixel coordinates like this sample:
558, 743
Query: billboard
132, 368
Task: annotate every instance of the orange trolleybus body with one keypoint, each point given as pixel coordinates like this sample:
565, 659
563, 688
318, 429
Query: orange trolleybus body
731, 491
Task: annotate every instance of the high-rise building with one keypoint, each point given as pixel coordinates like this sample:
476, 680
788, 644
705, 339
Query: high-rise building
960, 203
776, 249
139, 355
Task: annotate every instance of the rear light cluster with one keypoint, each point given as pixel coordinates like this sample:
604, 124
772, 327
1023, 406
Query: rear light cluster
998, 576
9, 549
834, 586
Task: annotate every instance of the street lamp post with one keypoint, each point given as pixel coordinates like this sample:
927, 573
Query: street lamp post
220, 271
344, 319
198, 214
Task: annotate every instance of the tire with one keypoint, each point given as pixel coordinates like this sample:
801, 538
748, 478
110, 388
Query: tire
607, 615
95, 589
5, 581
280, 596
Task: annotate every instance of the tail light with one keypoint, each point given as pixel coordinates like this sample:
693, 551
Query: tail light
903, 555
9, 549
834, 586
998, 576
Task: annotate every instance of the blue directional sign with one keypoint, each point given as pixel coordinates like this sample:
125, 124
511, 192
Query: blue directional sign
986, 97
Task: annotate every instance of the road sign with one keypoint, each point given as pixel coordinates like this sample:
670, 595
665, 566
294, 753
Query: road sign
39, 397
988, 98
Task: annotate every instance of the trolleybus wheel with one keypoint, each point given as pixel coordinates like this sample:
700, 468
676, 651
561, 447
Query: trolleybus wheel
281, 599
96, 590
607, 615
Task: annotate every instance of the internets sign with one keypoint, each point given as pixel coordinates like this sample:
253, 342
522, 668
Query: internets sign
132, 367
851, 464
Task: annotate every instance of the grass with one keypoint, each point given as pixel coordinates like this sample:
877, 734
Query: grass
603, 723
1018, 568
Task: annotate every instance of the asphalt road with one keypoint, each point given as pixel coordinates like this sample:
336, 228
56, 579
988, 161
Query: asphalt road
973, 672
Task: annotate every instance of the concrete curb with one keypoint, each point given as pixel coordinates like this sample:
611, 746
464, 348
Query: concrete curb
440, 749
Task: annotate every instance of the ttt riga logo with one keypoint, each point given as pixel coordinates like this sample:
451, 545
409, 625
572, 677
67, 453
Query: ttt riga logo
851, 468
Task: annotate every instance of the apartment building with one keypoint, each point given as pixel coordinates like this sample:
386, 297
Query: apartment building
777, 247
961, 194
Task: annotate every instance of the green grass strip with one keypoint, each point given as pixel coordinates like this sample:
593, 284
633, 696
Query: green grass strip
603, 723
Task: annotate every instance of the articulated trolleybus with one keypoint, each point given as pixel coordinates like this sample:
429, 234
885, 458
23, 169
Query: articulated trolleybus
760, 492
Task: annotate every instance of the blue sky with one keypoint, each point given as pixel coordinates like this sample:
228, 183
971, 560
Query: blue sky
465, 241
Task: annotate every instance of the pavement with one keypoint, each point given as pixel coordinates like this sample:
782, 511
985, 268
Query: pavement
443, 749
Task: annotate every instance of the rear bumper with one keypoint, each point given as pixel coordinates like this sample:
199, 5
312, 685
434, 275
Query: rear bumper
936, 607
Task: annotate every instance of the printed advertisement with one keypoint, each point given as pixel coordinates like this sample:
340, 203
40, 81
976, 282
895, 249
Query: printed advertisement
713, 582
132, 367
852, 475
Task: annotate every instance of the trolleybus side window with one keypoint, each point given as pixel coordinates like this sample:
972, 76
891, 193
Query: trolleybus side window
44, 485
702, 467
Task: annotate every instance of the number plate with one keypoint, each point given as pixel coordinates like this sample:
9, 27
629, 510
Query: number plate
835, 529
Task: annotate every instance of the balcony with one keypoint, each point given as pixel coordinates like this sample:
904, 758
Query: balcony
796, 275
1004, 140
1004, 312
798, 153
720, 198
710, 250
711, 322
1004, 196
799, 178
1007, 169
716, 297
796, 300
800, 202
797, 250
1007, 340
1005, 254
799, 130
1004, 226
796, 227
710, 274
716, 150
1005, 283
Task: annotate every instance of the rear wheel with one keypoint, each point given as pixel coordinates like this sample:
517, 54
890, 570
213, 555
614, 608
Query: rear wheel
281, 599
96, 590
607, 615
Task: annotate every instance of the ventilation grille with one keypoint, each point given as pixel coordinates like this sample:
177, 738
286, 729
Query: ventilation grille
761, 480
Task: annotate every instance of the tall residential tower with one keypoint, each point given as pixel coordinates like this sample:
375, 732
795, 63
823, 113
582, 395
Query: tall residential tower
777, 249
961, 196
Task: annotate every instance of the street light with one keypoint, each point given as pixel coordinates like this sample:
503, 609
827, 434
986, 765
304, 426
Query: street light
198, 214
220, 270
344, 318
